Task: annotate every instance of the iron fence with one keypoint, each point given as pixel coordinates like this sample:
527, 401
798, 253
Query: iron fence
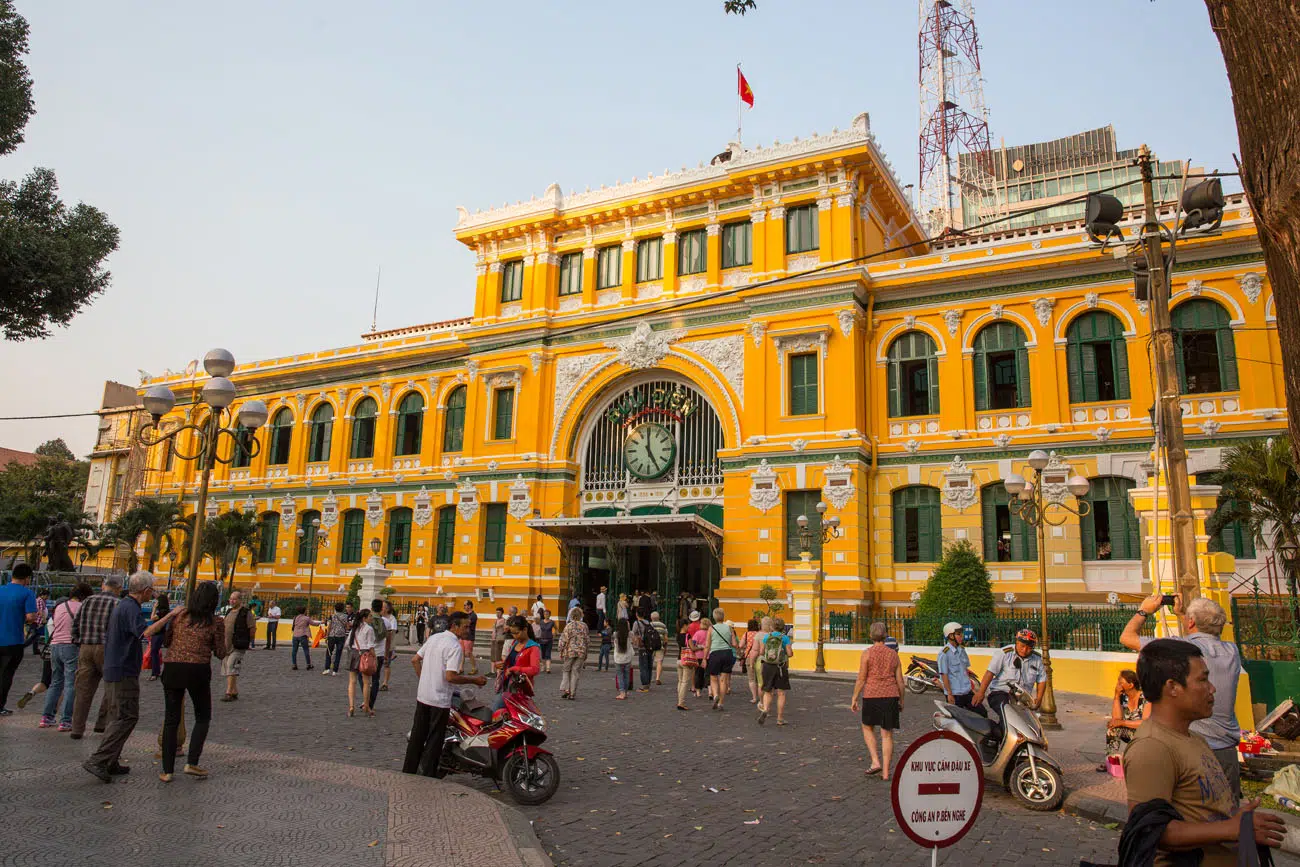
1265, 626
1070, 628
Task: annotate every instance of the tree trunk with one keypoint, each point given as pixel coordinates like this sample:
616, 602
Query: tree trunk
1260, 40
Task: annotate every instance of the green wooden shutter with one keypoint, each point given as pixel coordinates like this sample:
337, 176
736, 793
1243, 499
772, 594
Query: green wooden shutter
894, 373
503, 427
1178, 361
1132, 526
1022, 377
446, 535
1074, 370
803, 384
932, 374
1119, 523
930, 526
1227, 358
980, 369
900, 525
1087, 527
1088, 373
1119, 357
989, 521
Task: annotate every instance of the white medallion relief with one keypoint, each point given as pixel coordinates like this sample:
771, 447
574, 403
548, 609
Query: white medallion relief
1252, 285
756, 330
1092, 299
997, 310
288, 511
509, 311
1144, 307
912, 446
727, 354
1210, 426
329, 511
1055, 476
838, 487
374, 508
693, 283
1195, 287
909, 321
764, 489
799, 445
958, 485
1102, 434
952, 318
605, 297
848, 318
1002, 440
644, 347
249, 506
521, 499
422, 513
1043, 309
471, 368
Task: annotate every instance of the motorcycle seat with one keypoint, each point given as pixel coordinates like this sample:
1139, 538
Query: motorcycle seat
483, 714
930, 662
971, 720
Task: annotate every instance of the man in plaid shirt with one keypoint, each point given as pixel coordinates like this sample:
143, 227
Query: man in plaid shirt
89, 628
573, 652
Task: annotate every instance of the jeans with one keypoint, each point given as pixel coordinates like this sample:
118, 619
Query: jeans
180, 678
424, 746
125, 697
11, 656
570, 669
623, 676
333, 652
63, 667
272, 627
603, 659
647, 662
374, 679
304, 642
155, 654
90, 669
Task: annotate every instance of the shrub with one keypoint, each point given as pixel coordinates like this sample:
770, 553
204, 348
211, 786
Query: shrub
768, 594
354, 592
959, 587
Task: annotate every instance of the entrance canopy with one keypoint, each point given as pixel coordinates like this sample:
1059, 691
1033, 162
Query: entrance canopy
631, 530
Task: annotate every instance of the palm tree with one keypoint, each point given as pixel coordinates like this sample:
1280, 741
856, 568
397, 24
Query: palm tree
223, 539
1261, 488
152, 517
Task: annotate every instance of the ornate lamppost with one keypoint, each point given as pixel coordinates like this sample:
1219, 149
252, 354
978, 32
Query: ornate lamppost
218, 393
1035, 509
829, 528
314, 543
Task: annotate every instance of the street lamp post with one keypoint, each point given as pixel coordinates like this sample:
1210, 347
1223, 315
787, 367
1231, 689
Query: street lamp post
829, 528
315, 543
1290, 560
218, 393
1033, 507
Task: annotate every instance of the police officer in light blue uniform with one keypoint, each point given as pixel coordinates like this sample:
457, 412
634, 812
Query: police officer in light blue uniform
953, 665
1016, 664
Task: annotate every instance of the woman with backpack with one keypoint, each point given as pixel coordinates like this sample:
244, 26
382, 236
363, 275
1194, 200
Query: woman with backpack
623, 656
749, 658
362, 662
775, 676
192, 635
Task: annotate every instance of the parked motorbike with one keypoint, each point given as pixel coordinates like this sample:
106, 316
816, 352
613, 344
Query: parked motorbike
504, 746
923, 674
1014, 754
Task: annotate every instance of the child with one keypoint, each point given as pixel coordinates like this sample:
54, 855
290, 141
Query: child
606, 647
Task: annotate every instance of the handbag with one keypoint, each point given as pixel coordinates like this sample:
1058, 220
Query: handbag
369, 662
354, 657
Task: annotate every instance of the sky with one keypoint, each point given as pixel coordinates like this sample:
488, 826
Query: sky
264, 159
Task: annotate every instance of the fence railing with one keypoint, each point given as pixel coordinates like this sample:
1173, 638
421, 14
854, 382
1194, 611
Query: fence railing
1069, 628
1266, 627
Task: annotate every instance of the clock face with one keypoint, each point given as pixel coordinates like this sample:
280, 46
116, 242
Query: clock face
649, 450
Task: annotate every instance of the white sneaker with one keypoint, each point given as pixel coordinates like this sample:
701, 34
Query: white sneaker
325, 672
335, 673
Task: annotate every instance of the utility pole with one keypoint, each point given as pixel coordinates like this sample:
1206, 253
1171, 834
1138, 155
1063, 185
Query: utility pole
1168, 405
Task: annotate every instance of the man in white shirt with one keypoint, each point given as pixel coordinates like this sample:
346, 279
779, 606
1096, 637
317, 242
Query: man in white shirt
437, 668
390, 621
272, 625
600, 609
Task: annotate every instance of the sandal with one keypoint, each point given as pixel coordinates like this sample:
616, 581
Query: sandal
780, 722
872, 771
682, 707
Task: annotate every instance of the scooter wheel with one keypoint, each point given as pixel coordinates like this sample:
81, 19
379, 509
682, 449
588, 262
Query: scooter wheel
916, 687
1043, 791
531, 782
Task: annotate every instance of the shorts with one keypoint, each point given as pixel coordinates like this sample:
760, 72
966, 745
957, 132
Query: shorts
880, 712
230, 665
721, 662
775, 676
546, 649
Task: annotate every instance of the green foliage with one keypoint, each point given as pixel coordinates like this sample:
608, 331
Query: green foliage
31, 494
768, 594
1261, 488
960, 583
152, 517
56, 448
223, 539
51, 256
738, 7
354, 591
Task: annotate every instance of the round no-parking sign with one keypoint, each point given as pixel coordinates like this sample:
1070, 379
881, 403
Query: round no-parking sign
938, 787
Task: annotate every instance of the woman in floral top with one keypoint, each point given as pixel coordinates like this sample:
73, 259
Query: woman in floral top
194, 634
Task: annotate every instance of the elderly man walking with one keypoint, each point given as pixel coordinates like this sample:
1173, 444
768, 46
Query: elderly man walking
1203, 623
88, 630
122, 658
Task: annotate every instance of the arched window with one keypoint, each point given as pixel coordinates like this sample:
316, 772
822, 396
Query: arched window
322, 428
446, 535
913, 375
399, 535
354, 533
1110, 531
1096, 356
241, 450
1007, 539
918, 530
1001, 366
363, 429
1234, 536
307, 542
280, 438
453, 430
1203, 348
267, 537
169, 456
410, 424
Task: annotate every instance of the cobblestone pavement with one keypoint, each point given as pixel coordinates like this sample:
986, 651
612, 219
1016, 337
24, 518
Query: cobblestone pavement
281, 792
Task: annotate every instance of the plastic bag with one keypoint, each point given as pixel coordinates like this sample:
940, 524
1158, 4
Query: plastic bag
1286, 784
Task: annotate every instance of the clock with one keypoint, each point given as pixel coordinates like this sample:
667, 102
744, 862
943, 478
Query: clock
649, 450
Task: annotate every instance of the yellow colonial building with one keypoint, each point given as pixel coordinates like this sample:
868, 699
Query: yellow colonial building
659, 377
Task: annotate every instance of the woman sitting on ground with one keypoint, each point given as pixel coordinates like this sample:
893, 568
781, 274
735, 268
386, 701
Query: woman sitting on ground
1128, 709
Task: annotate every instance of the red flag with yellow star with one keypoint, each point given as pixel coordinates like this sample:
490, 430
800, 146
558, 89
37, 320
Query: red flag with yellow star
746, 93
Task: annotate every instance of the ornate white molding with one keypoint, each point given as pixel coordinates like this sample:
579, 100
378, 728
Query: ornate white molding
756, 330
764, 488
1002, 440
510, 310
249, 506
909, 321
288, 511
800, 342
1210, 426
1043, 310
502, 379
844, 201
213, 507
629, 245
778, 213
374, 508
1252, 285
692, 283
422, 514
1092, 299
329, 510
712, 229
569, 371
649, 290
1144, 307
727, 354
757, 216
535, 359
799, 445
644, 347
569, 303
912, 446
736, 276
466, 501
959, 491
997, 310
848, 318
471, 369
1055, 476
1195, 287
838, 487
342, 395
520, 505
803, 262
301, 400
1102, 434
605, 297
589, 252
951, 318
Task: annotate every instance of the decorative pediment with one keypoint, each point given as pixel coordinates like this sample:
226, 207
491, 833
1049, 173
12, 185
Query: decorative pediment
249, 506
329, 511
838, 487
803, 340
422, 513
466, 501
288, 511
764, 488
520, 505
1054, 478
959, 490
374, 508
644, 347
212, 508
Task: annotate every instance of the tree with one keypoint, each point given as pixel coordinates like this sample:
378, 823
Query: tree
152, 517
32, 494
223, 539
51, 256
354, 592
56, 448
959, 587
769, 595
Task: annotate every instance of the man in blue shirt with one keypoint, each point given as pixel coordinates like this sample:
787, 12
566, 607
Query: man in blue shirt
953, 665
123, 656
17, 609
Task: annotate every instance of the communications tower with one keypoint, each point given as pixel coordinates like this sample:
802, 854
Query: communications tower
953, 116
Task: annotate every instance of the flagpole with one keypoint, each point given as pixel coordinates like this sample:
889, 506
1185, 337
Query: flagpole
739, 113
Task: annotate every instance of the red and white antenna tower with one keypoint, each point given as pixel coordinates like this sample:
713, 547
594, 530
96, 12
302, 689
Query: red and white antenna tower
953, 114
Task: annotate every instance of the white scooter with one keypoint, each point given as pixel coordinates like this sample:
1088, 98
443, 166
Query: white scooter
1015, 754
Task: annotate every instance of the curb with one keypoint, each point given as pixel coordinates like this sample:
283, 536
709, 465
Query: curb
1103, 811
524, 837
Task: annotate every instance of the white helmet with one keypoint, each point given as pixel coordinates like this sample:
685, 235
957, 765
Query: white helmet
950, 628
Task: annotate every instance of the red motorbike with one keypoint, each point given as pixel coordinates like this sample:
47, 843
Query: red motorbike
503, 746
